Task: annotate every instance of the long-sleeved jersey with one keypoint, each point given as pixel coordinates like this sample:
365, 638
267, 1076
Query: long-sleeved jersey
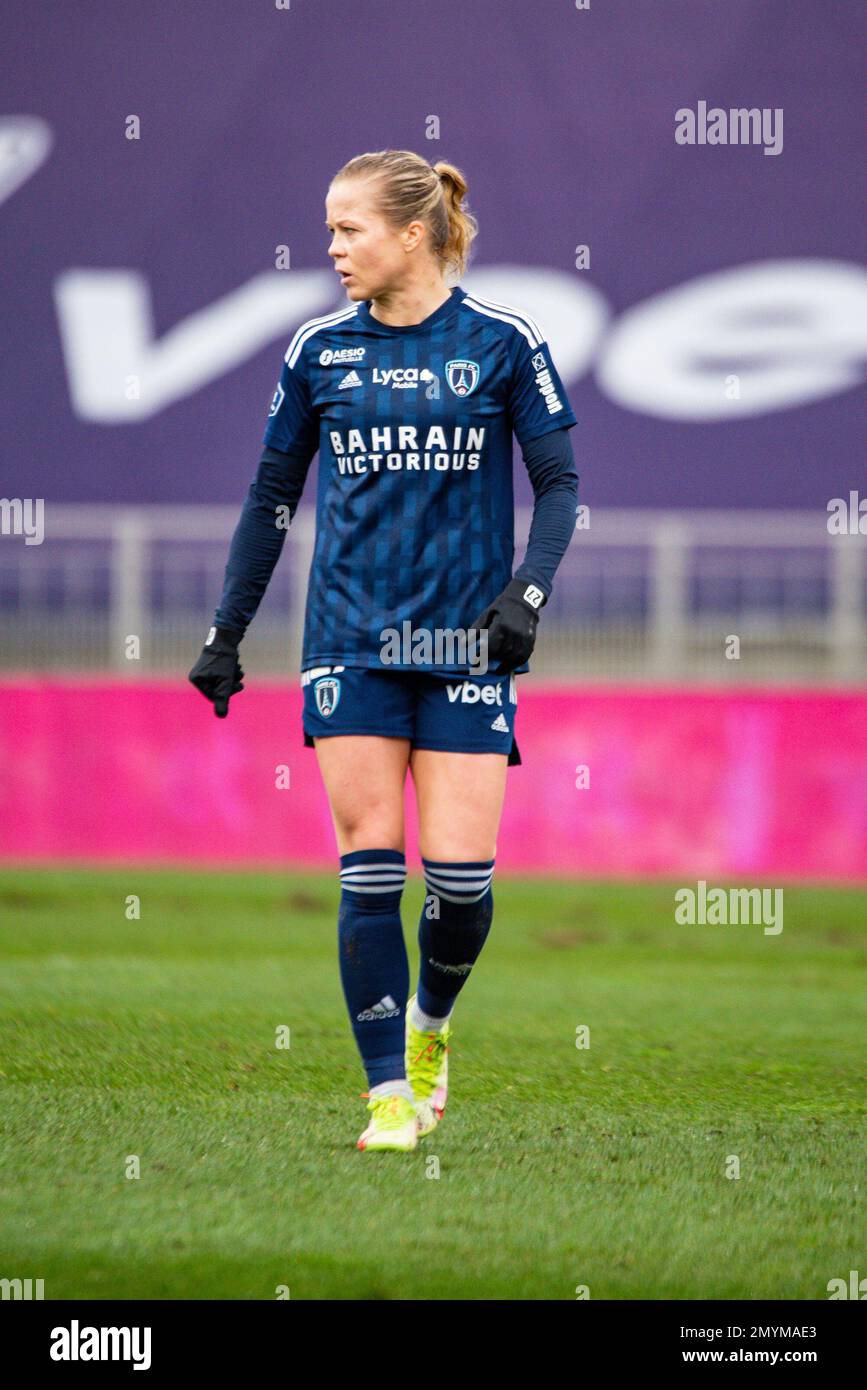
414, 503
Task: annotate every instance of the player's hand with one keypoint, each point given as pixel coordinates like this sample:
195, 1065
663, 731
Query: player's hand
511, 622
217, 673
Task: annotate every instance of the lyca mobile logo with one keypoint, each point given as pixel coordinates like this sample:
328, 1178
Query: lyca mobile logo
462, 376
335, 357
400, 377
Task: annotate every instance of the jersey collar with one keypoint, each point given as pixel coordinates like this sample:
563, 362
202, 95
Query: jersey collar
365, 317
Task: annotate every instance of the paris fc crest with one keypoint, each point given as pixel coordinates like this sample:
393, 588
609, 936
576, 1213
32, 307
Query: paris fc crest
327, 694
462, 376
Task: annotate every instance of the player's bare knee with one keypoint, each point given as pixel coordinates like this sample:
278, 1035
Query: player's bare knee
368, 830
459, 851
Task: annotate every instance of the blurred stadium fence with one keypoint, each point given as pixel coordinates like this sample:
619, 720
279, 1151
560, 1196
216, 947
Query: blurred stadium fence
641, 595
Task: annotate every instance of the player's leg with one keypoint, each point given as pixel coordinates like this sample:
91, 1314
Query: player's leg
462, 744
460, 802
460, 798
364, 779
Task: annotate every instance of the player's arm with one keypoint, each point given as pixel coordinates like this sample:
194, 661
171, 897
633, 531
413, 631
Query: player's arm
550, 464
269, 506
256, 545
512, 618
290, 441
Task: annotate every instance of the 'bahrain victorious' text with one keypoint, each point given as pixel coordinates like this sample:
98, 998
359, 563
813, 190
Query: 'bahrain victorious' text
414, 504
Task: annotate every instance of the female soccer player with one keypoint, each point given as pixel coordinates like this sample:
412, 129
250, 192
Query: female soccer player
411, 394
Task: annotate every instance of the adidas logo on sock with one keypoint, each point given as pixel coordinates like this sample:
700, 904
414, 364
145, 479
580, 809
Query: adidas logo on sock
351, 379
500, 725
386, 1008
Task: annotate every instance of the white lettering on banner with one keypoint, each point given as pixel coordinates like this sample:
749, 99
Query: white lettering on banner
25, 144
794, 331
201, 349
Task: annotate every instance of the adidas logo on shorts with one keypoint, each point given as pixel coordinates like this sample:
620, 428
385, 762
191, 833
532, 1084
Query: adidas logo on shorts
386, 1008
499, 725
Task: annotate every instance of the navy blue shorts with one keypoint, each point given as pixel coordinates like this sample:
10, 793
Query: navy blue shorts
453, 714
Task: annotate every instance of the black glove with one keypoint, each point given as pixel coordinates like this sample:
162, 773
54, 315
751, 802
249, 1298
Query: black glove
217, 673
511, 621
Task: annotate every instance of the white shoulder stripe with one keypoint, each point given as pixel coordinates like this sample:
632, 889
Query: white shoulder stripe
506, 314
518, 313
313, 326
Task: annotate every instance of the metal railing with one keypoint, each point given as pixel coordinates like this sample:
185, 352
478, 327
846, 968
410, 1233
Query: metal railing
640, 595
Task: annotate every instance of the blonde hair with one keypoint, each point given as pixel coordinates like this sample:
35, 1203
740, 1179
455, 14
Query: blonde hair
409, 189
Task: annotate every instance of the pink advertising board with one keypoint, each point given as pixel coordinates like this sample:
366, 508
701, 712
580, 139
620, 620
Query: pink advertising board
709, 783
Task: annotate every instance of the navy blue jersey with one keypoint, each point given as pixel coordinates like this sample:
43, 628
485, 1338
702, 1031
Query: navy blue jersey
414, 503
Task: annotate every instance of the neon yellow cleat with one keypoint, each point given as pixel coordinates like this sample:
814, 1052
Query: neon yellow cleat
393, 1124
427, 1071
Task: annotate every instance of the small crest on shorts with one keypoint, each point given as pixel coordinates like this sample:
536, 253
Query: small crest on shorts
462, 376
327, 694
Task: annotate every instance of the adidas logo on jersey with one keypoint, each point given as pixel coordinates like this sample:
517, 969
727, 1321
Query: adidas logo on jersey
351, 379
500, 725
386, 1008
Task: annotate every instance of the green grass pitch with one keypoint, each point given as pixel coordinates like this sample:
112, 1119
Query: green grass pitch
557, 1167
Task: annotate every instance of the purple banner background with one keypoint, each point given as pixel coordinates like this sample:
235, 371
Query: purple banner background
563, 122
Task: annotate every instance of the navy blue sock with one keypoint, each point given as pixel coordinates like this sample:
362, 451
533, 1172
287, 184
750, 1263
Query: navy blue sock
455, 922
374, 968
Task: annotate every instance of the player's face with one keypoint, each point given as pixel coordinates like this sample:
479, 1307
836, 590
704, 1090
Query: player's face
363, 245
